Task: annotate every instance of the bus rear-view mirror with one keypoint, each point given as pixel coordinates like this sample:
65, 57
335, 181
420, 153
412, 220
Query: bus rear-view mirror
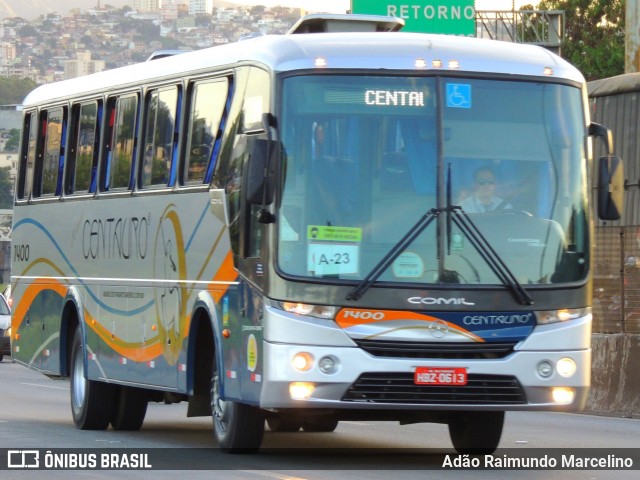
259, 172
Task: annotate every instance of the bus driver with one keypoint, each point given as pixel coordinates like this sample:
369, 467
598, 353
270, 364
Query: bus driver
483, 199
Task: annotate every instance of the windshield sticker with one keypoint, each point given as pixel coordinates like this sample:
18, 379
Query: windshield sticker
408, 265
458, 95
325, 258
321, 233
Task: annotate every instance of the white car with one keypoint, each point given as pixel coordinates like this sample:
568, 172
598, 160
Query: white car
5, 328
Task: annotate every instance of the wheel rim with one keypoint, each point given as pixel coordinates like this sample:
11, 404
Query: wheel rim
78, 385
219, 407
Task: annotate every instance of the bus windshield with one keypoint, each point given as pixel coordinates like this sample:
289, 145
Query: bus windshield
365, 157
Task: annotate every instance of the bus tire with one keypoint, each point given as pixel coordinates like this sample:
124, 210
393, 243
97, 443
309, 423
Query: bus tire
238, 428
92, 402
130, 409
320, 425
475, 433
283, 425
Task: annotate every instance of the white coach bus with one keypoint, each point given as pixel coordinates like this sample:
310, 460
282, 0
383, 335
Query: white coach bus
313, 227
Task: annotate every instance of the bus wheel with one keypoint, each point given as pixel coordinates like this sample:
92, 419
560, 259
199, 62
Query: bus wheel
476, 433
130, 409
239, 428
282, 425
320, 425
92, 402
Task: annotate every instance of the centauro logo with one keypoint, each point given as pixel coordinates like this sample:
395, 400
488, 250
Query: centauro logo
438, 301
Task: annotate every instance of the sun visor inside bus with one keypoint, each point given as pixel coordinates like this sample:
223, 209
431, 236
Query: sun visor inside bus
421, 154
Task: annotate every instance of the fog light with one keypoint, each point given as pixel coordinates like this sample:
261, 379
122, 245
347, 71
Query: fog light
563, 395
302, 361
566, 367
545, 369
301, 390
327, 365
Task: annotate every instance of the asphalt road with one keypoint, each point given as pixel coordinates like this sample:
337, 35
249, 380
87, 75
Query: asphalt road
35, 414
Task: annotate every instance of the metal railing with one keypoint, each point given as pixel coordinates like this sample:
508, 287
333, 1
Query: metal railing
540, 27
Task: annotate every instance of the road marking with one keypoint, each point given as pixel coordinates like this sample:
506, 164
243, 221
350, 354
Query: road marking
45, 386
357, 423
272, 475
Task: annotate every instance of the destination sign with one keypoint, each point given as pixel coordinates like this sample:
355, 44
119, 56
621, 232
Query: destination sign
394, 98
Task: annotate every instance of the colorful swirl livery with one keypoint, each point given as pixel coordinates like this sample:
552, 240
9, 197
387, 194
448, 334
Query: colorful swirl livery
344, 222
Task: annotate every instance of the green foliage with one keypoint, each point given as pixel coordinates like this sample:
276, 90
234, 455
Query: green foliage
595, 35
13, 142
6, 199
171, 43
13, 89
28, 31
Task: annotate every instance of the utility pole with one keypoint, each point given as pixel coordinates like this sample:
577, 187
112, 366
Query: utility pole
632, 37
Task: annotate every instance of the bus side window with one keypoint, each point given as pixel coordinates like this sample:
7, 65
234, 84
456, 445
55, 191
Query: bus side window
83, 156
208, 100
28, 156
53, 154
121, 149
159, 137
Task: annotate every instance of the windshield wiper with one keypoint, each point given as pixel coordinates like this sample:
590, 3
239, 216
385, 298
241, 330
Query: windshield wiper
469, 229
392, 254
489, 255
483, 246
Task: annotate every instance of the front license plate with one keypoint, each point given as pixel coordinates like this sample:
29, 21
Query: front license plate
440, 376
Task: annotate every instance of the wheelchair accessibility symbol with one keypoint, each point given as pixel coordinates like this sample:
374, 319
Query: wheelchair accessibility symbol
458, 95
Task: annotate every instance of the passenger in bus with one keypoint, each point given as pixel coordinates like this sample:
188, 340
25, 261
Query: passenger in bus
484, 198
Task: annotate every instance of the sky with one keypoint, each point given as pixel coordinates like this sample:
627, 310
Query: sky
340, 6
30, 9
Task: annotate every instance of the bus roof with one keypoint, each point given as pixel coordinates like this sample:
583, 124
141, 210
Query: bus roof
280, 53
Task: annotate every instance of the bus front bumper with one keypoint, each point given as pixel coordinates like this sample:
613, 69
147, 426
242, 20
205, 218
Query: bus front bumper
351, 378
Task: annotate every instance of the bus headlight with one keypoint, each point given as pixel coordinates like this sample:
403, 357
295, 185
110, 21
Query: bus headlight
545, 317
566, 367
301, 390
302, 362
328, 365
319, 311
545, 369
563, 395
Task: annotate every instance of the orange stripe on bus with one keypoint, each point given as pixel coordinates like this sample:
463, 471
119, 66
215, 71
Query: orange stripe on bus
138, 352
350, 317
30, 294
226, 273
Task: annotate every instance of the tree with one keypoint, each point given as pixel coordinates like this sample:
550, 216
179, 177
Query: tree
595, 35
28, 31
14, 89
6, 188
13, 142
